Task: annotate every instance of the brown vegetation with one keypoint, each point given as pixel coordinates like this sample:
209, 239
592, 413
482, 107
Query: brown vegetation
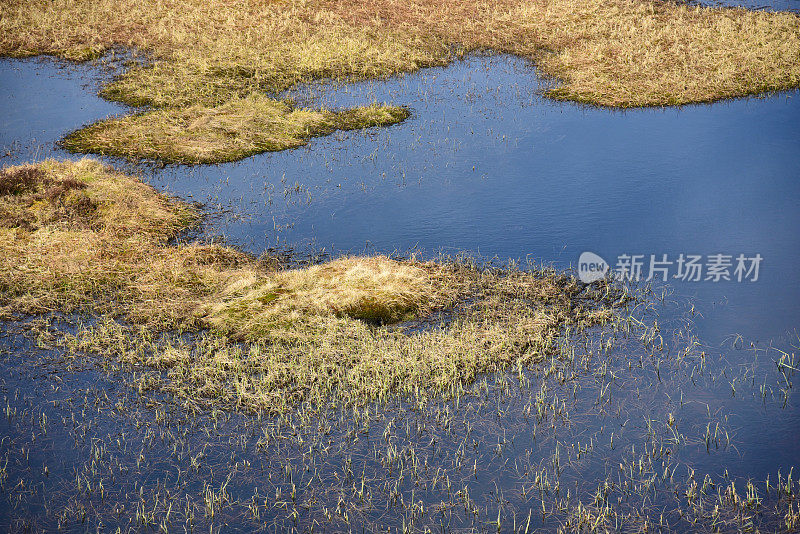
239, 128
615, 53
212, 57
76, 236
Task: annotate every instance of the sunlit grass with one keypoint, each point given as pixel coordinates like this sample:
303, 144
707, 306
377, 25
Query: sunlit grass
79, 237
209, 59
229, 132
615, 53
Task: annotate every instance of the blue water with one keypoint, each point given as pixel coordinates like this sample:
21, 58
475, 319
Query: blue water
487, 166
765, 5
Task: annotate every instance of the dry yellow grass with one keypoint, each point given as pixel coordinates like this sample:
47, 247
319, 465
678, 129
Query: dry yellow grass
515, 320
77, 236
231, 131
215, 55
374, 289
608, 52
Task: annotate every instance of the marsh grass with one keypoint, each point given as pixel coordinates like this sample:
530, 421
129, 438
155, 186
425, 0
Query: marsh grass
277, 357
618, 53
231, 131
599, 432
596, 438
79, 237
207, 61
375, 290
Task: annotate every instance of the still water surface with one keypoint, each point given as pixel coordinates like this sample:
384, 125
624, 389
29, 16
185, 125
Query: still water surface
486, 165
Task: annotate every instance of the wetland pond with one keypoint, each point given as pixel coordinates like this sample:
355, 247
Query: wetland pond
485, 165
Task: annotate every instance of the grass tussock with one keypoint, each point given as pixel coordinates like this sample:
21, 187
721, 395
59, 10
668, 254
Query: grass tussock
376, 290
515, 320
231, 131
77, 236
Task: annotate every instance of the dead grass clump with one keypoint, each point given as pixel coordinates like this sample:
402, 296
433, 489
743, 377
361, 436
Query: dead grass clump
32, 199
274, 337
118, 260
376, 290
80, 234
512, 318
55, 191
18, 180
239, 128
